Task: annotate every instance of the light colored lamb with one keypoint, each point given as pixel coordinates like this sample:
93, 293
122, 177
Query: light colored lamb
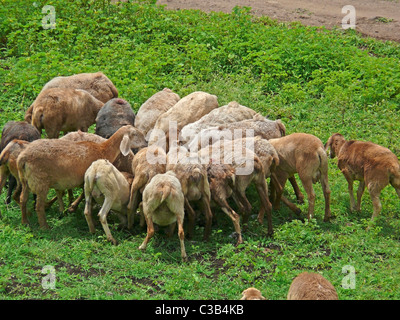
192, 175
153, 107
371, 164
231, 113
97, 84
20, 130
113, 115
163, 204
252, 294
305, 155
63, 109
187, 110
311, 286
61, 165
146, 164
108, 187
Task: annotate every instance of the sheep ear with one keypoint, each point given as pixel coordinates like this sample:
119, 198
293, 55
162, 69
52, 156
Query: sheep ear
125, 145
328, 144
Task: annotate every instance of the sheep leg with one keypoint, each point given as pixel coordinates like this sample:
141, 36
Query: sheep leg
3, 178
299, 195
23, 202
241, 198
88, 212
327, 196
232, 215
12, 184
132, 207
208, 216
170, 230
40, 208
308, 186
75, 204
103, 219
150, 231
181, 235
191, 218
266, 206
360, 192
60, 201
350, 182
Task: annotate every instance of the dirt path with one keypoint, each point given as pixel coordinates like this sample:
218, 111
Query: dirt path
374, 18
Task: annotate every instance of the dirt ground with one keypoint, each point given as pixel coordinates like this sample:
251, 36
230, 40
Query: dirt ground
374, 18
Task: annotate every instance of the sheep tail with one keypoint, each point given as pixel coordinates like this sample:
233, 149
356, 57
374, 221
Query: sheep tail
114, 91
281, 127
165, 193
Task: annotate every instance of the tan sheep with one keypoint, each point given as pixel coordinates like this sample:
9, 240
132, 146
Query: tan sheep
63, 109
231, 113
252, 294
153, 107
144, 169
163, 204
195, 186
97, 84
185, 111
371, 164
305, 155
108, 187
311, 286
61, 165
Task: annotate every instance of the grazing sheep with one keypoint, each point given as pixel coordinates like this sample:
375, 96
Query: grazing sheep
97, 84
252, 294
61, 165
112, 116
153, 107
311, 286
221, 178
8, 164
110, 188
231, 113
144, 169
305, 155
16, 130
248, 169
371, 164
185, 111
163, 204
195, 186
64, 109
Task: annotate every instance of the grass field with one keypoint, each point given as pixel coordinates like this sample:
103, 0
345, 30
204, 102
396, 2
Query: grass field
315, 80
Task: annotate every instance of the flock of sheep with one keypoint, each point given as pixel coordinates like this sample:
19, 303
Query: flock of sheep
173, 154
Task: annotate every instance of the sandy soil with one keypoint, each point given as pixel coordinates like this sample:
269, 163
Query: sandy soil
374, 18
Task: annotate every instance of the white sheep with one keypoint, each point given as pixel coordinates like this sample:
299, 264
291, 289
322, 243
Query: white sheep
108, 187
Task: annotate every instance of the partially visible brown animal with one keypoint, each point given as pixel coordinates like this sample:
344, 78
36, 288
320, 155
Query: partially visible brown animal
19, 130
371, 164
311, 286
252, 294
64, 109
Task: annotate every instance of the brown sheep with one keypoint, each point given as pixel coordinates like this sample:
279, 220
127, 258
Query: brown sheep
64, 109
311, 286
305, 155
371, 164
61, 165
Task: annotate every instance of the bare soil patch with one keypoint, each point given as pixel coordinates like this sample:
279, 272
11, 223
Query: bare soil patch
378, 19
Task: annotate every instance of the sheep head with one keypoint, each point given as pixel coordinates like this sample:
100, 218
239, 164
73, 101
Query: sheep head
335, 143
132, 138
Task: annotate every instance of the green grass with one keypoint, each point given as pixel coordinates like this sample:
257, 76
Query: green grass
316, 80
